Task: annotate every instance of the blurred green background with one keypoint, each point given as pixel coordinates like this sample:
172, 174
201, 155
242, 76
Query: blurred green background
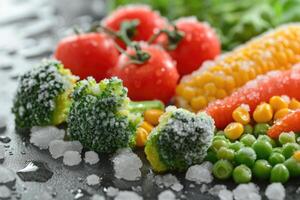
236, 21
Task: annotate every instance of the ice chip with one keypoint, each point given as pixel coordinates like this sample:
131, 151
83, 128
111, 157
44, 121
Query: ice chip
200, 173
127, 165
57, 148
167, 195
275, 191
225, 195
92, 179
91, 157
5, 192
247, 191
127, 195
71, 158
42, 136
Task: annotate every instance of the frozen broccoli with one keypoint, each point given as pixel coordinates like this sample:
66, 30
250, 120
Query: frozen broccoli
42, 96
180, 140
102, 117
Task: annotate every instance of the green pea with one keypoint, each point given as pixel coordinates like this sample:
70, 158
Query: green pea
289, 149
277, 150
220, 137
222, 169
267, 138
225, 153
236, 145
261, 129
211, 156
217, 144
280, 173
242, 174
263, 149
276, 158
287, 138
248, 129
262, 169
220, 133
293, 166
246, 156
248, 140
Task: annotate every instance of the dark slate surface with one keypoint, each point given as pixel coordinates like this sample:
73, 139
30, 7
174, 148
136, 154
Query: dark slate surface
29, 30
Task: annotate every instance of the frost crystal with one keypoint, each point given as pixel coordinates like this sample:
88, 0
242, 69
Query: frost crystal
91, 157
167, 195
275, 191
92, 179
128, 195
57, 148
42, 136
200, 173
246, 192
127, 165
71, 158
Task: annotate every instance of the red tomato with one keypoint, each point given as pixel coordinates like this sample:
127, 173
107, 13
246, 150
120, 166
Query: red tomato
200, 43
149, 21
154, 79
91, 54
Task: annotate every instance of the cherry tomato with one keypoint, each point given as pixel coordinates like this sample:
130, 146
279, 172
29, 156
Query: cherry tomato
149, 21
199, 43
154, 79
90, 54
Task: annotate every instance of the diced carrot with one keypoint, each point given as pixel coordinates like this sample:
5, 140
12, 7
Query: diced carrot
290, 122
255, 92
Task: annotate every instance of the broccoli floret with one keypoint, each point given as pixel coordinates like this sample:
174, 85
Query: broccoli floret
42, 96
180, 140
102, 117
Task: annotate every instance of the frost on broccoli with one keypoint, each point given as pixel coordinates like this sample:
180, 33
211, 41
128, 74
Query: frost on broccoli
100, 117
42, 96
180, 140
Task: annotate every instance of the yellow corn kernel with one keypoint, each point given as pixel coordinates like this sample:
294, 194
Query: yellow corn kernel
188, 93
210, 89
241, 115
263, 113
296, 155
152, 116
230, 84
278, 103
219, 81
148, 127
141, 137
234, 130
221, 93
281, 113
275, 50
294, 104
179, 89
198, 102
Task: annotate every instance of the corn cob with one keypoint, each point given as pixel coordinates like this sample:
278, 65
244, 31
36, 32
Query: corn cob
278, 49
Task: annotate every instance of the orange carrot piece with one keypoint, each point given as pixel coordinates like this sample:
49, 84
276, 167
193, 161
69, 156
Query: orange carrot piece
254, 92
290, 122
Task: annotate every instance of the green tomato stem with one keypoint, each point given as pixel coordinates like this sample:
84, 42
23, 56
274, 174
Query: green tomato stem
141, 106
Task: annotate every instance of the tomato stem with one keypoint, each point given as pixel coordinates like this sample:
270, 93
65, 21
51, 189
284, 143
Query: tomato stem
174, 37
126, 32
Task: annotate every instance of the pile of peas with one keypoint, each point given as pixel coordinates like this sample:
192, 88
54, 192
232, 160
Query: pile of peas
244, 151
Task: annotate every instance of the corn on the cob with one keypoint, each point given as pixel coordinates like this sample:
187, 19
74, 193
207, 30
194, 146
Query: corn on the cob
275, 50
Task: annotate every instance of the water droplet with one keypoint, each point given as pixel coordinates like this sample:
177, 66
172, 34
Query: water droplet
36, 171
81, 194
5, 139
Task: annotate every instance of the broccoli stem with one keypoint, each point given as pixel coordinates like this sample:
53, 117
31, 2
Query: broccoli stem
141, 106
